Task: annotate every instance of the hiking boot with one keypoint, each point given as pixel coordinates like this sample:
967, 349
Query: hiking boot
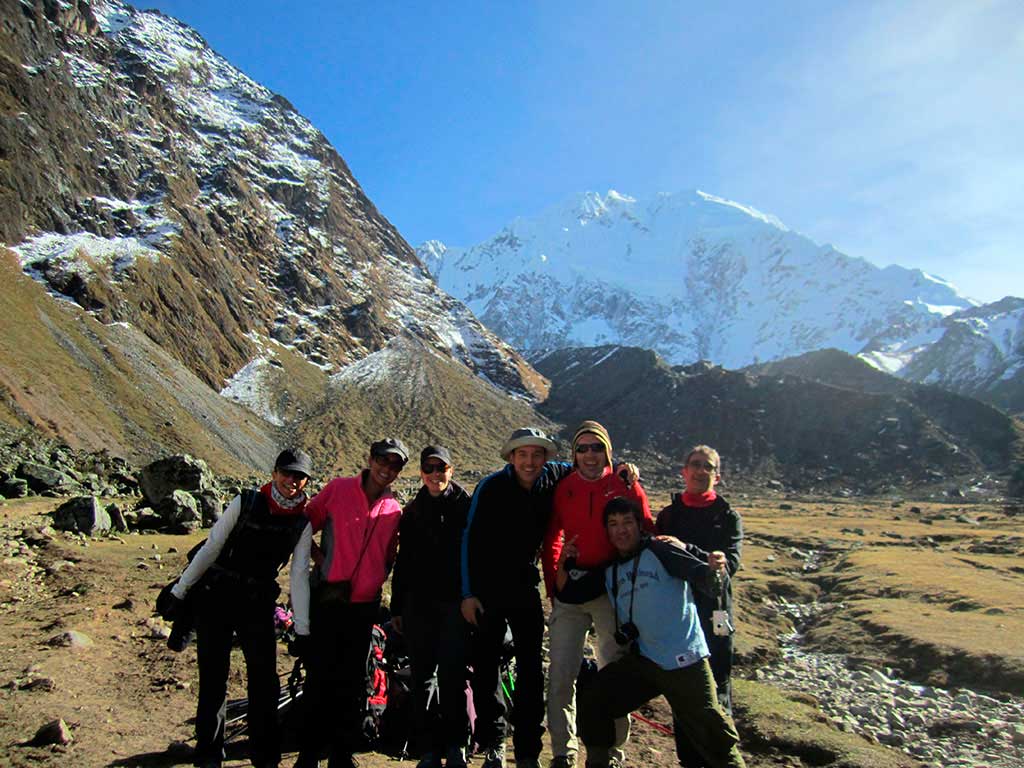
455, 758
430, 760
494, 757
563, 761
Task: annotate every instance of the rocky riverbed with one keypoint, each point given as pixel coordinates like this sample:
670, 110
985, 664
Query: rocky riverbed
943, 728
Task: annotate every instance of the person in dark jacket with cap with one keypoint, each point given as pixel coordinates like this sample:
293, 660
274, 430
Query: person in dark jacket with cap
232, 584
335, 609
507, 519
425, 601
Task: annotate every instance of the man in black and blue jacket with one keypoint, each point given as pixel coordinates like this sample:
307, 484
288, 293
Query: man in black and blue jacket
507, 519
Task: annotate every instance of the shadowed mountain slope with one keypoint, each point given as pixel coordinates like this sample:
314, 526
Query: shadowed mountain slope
806, 432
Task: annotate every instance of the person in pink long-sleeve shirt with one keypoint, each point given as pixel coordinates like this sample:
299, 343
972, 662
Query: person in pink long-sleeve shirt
336, 608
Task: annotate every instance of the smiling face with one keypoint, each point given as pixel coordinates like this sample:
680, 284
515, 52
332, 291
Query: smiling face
591, 457
528, 461
436, 475
288, 484
623, 532
701, 472
384, 469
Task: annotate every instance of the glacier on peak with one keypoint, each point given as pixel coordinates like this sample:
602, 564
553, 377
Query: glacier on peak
691, 275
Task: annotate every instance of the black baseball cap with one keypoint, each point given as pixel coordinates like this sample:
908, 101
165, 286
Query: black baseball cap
436, 452
390, 445
294, 460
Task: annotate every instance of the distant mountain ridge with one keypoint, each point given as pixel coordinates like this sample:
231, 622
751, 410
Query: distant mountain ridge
694, 276
831, 422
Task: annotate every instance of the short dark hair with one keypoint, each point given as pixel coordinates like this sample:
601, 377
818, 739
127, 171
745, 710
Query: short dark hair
620, 505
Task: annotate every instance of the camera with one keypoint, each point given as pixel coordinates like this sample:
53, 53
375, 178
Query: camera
627, 634
720, 624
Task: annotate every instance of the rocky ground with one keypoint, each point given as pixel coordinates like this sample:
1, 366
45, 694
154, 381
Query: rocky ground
866, 627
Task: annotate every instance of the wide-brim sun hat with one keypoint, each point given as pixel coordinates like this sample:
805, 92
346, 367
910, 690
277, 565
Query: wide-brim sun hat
528, 436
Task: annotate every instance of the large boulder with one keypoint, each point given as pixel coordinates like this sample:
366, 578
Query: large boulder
41, 478
179, 511
82, 513
14, 488
174, 473
211, 507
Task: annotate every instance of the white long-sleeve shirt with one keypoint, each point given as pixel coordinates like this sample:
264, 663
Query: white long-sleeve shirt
219, 534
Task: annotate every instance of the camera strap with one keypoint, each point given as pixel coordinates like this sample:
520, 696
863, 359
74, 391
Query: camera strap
632, 583
368, 530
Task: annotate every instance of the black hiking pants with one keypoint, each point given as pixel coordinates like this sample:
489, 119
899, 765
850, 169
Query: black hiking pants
437, 639
334, 694
223, 611
519, 609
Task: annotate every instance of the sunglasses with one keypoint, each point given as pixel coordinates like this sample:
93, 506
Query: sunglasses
386, 461
592, 447
297, 476
705, 465
429, 469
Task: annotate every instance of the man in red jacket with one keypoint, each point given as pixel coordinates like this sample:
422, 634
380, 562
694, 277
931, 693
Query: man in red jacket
578, 518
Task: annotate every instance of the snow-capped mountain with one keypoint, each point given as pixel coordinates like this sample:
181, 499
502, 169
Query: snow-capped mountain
694, 276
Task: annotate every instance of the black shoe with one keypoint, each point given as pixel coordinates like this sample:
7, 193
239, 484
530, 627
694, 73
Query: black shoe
455, 757
494, 757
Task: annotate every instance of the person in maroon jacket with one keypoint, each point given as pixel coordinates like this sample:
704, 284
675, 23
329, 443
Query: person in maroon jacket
577, 520
713, 531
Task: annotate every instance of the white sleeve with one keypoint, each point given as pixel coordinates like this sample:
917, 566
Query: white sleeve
298, 581
208, 553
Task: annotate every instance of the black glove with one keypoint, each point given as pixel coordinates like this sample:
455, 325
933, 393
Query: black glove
170, 607
299, 647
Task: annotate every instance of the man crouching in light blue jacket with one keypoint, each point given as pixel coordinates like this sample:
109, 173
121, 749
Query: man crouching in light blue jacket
651, 587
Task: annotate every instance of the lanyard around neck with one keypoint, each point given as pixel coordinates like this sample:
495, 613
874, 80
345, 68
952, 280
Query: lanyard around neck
632, 583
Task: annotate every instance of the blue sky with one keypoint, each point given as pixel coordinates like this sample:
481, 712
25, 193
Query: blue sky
893, 130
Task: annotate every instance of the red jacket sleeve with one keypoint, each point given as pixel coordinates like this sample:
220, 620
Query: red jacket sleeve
551, 550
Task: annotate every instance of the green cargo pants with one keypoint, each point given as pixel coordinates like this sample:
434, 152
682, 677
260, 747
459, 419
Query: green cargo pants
626, 684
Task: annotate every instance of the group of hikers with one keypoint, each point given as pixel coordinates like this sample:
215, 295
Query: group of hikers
655, 593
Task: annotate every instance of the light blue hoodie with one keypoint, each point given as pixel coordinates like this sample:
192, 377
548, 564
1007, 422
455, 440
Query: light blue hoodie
653, 590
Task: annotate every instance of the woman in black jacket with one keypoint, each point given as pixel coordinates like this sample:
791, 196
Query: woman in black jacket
425, 601
231, 586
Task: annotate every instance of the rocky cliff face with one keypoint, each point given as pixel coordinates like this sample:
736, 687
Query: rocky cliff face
153, 185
